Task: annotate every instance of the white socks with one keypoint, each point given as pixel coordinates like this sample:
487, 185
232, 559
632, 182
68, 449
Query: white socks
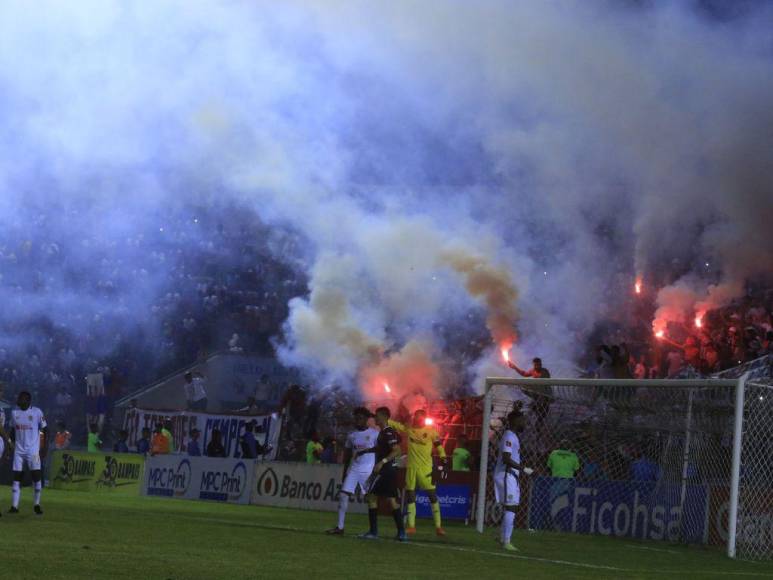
342, 507
508, 520
15, 494
38, 486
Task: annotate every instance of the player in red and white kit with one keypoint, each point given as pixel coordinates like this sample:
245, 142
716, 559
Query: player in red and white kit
359, 459
27, 424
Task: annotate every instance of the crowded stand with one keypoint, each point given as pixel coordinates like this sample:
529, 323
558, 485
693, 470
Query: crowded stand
220, 290
227, 282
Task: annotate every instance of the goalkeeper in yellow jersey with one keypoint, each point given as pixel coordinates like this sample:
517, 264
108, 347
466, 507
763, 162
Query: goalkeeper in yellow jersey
421, 440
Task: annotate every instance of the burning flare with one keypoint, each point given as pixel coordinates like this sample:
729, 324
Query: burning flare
428, 421
387, 388
637, 286
660, 334
506, 354
699, 321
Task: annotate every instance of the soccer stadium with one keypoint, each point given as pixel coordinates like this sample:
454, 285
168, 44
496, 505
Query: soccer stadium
342, 289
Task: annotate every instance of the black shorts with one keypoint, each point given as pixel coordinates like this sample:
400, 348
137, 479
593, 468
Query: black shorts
384, 484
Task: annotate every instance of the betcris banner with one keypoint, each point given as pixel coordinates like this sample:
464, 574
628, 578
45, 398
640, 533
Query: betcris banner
231, 428
202, 478
301, 486
454, 502
633, 509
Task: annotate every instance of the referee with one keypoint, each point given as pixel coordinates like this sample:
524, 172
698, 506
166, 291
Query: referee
383, 480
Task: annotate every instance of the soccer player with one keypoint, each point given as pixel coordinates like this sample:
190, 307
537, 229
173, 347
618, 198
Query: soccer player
4, 439
506, 475
359, 460
422, 438
383, 480
3, 435
27, 424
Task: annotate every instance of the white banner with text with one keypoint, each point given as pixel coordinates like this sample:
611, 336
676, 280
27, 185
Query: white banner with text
301, 486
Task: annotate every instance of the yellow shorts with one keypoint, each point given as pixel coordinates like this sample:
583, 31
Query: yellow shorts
418, 478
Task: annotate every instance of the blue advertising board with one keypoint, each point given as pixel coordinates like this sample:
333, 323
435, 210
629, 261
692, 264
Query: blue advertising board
209, 478
454, 502
634, 509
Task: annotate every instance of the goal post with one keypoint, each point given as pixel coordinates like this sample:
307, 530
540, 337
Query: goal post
679, 447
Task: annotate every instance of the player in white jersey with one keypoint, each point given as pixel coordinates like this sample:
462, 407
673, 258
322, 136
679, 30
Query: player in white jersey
27, 424
359, 460
506, 473
3, 436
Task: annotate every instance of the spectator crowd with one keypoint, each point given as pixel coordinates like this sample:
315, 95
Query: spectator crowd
198, 280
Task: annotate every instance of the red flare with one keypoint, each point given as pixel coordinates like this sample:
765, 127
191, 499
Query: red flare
506, 354
698, 322
660, 334
387, 388
428, 421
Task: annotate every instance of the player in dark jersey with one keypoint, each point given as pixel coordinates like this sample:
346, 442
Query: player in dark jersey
383, 480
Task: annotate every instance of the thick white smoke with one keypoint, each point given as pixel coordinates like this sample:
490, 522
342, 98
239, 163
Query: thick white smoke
425, 150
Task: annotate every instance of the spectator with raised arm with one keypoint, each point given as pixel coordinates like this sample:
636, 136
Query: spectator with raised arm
540, 399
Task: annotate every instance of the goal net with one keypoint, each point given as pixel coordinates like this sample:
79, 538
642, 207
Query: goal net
641, 459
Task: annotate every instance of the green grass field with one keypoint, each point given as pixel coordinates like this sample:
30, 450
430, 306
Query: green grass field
102, 536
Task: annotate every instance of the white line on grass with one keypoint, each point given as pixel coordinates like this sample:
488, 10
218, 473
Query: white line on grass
707, 573
443, 547
498, 554
519, 557
635, 547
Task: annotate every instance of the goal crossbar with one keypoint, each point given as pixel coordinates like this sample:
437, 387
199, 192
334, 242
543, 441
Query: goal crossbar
737, 384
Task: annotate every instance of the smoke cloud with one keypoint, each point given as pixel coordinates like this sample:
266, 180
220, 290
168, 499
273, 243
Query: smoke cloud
459, 173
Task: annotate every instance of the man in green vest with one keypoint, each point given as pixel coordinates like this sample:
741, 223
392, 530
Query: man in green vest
461, 457
563, 464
